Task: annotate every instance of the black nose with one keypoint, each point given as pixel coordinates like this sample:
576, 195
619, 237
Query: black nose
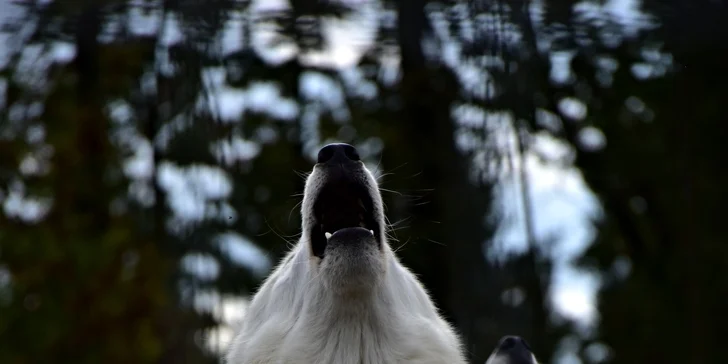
510, 342
338, 153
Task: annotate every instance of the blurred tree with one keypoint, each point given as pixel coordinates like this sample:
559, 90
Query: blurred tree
95, 253
448, 225
653, 157
159, 84
659, 176
85, 285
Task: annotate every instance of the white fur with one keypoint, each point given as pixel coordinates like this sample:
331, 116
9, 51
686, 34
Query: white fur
313, 311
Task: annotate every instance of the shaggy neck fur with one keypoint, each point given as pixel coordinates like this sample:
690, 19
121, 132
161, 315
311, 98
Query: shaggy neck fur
292, 319
357, 327
355, 333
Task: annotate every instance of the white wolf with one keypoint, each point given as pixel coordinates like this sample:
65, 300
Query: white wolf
341, 296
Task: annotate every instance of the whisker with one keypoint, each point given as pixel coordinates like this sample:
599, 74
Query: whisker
301, 174
435, 242
293, 208
401, 246
390, 191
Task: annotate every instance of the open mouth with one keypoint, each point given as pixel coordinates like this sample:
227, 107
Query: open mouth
340, 206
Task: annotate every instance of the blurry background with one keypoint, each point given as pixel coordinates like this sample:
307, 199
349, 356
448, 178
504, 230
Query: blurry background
553, 169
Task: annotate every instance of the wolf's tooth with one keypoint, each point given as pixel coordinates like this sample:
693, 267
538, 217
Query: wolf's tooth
371, 232
327, 235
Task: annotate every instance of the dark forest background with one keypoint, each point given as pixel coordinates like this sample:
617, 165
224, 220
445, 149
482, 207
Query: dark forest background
111, 112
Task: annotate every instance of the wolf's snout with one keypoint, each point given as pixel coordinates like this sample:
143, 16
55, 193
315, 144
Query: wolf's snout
342, 195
